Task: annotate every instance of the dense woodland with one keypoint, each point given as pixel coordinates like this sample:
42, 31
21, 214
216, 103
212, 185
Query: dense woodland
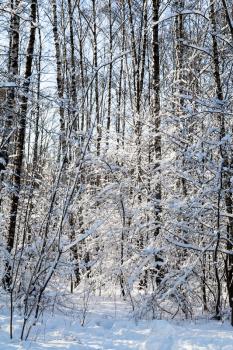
116, 158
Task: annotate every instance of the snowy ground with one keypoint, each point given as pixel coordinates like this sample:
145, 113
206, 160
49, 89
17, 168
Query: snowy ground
108, 327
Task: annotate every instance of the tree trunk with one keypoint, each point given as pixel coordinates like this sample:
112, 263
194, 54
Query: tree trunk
60, 84
20, 141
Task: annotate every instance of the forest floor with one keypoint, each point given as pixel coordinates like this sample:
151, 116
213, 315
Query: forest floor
108, 326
